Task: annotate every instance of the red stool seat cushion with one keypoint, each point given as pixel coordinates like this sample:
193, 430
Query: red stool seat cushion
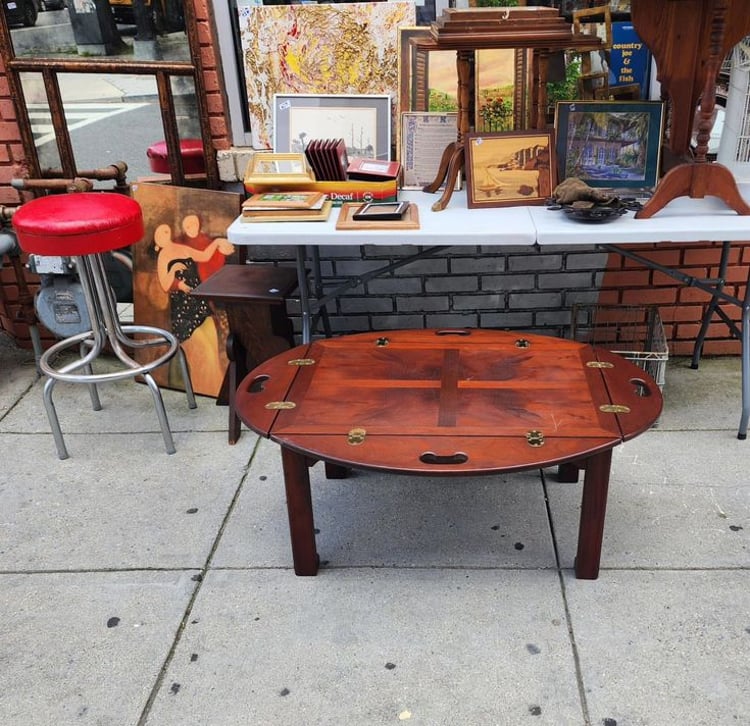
191, 151
78, 224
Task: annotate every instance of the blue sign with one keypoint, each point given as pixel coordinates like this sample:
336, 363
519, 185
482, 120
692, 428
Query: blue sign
629, 59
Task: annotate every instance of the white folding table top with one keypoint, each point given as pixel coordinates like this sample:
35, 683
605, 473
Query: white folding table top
682, 220
455, 225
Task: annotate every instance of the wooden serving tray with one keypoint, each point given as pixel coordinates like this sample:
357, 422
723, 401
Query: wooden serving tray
410, 220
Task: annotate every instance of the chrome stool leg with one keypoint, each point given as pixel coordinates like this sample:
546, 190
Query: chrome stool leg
161, 413
54, 422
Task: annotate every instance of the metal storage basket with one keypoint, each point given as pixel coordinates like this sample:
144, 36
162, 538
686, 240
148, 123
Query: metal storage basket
634, 332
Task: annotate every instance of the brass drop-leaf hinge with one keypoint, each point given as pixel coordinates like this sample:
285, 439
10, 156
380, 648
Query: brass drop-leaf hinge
356, 437
535, 438
280, 405
302, 362
522, 343
614, 408
599, 364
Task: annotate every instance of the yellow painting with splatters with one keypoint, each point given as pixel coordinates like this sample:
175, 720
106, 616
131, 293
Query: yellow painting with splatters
349, 48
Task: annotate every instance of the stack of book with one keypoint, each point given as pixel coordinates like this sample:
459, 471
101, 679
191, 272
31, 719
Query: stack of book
286, 207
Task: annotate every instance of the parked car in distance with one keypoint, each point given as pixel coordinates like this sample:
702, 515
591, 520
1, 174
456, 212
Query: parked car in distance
167, 14
20, 12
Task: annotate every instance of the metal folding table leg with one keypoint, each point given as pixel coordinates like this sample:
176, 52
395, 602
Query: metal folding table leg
713, 305
715, 288
742, 433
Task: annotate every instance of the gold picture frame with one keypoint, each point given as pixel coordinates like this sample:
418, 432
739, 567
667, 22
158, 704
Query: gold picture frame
509, 169
279, 168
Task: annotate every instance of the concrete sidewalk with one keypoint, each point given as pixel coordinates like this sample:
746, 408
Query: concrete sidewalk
142, 588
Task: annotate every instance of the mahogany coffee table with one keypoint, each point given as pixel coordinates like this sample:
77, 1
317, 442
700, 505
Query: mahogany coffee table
448, 403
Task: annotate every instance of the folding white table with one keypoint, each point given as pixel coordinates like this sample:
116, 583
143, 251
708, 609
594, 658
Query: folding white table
455, 226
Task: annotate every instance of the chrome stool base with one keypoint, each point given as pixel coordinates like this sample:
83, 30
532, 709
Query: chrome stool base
106, 328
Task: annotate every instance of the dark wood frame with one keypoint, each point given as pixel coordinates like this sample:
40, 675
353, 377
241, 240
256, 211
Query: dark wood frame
655, 111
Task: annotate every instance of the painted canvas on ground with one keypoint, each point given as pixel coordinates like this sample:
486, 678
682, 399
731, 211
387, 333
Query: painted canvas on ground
184, 244
345, 48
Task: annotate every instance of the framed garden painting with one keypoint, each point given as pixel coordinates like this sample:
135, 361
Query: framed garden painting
495, 84
509, 169
613, 144
427, 79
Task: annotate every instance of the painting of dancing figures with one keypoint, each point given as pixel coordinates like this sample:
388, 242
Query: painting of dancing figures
183, 245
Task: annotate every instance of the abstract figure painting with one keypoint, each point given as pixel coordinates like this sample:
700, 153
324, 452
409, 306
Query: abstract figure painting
183, 245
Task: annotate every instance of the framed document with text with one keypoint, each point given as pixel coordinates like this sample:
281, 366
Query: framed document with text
423, 138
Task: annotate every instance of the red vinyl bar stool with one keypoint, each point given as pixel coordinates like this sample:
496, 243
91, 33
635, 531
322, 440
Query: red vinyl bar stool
84, 226
191, 152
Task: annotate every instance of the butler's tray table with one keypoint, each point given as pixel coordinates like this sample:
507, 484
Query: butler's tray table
453, 402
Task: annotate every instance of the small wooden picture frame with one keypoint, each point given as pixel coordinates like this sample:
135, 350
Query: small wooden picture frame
273, 168
409, 220
509, 169
381, 211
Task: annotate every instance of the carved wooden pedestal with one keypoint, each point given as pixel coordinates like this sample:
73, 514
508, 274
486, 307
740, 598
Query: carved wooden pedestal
689, 40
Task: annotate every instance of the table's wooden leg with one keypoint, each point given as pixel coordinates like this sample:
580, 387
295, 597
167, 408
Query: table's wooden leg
336, 471
593, 510
299, 508
568, 473
235, 374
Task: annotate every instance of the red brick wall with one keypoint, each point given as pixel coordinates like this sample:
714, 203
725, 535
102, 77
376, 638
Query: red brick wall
11, 165
681, 307
212, 75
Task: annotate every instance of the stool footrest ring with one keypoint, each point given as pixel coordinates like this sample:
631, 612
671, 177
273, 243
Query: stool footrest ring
65, 374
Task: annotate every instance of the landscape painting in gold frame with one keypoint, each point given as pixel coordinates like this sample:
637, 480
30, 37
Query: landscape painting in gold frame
509, 169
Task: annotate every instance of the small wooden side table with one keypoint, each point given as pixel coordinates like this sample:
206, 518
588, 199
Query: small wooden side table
254, 298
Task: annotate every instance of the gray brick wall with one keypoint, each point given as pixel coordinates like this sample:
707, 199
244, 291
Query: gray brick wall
493, 287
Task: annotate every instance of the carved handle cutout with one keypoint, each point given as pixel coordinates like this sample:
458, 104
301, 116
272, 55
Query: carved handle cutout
453, 331
642, 388
258, 384
430, 457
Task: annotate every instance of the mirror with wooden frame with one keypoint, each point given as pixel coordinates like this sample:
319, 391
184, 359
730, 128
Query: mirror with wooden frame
101, 81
